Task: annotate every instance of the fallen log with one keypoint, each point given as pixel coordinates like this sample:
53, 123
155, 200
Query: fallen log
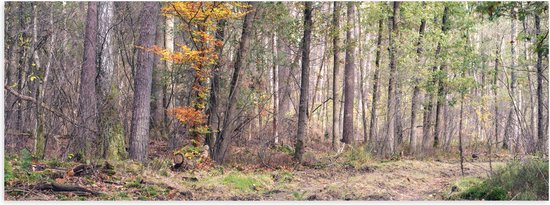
63, 187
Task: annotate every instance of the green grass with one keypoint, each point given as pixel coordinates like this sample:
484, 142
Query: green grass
518, 180
246, 182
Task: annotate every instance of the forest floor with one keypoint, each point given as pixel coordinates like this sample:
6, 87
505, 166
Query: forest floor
329, 178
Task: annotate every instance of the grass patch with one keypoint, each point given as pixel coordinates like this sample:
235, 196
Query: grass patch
245, 182
357, 157
518, 180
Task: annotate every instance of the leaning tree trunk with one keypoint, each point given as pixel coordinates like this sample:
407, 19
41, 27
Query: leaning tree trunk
224, 139
349, 81
139, 135
86, 131
304, 86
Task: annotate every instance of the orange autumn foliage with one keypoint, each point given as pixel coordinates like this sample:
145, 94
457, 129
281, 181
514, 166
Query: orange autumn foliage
189, 116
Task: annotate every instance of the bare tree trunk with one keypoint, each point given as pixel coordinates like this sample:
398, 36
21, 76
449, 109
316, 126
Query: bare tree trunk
416, 89
495, 93
511, 126
168, 98
110, 128
87, 99
336, 61
541, 142
213, 119
441, 92
460, 134
363, 69
304, 87
390, 138
224, 139
139, 138
375, 92
275, 89
349, 81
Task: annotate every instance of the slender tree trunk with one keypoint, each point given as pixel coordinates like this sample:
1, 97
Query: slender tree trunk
495, 94
541, 142
441, 92
224, 139
375, 93
349, 81
275, 89
460, 134
336, 61
87, 98
139, 138
416, 89
511, 126
390, 141
168, 99
213, 120
304, 87
363, 70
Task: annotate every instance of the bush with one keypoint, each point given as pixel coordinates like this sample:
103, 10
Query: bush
518, 180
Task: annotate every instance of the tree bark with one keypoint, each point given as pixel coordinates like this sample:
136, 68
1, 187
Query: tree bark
375, 92
541, 141
336, 61
390, 141
139, 138
349, 81
87, 98
416, 89
441, 92
304, 88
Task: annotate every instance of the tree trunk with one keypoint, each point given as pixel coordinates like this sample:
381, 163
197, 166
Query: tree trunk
110, 128
441, 92
390, 139
336, 61
349, 80
87, 99
213, 120
511, 126
139, 138
224, 139
275, 89
304, 87
541, 142
375, 93
495, 94
416, 89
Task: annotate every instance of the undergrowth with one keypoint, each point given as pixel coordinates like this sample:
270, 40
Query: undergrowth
518, 180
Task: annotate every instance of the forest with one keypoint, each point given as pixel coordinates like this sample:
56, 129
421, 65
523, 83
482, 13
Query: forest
275, 100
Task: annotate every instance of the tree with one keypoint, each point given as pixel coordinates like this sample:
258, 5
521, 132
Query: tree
441, 93
139, 136
416, 89
336, 61
541, 127
110, 128
375, 92
390, 141
225, 137
349, 80
87, 99
304, 85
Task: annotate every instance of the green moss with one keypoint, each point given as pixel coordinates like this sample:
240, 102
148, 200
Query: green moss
8, 171
117, 147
